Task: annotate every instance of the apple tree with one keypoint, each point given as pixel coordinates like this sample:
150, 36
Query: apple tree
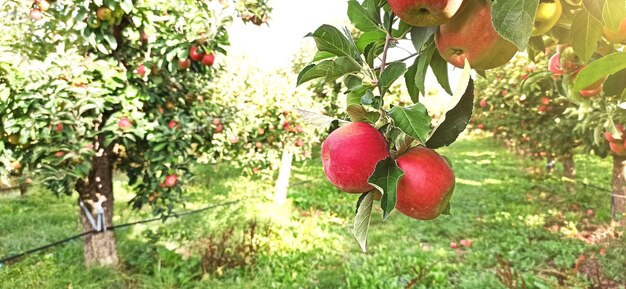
480, 34
89, 87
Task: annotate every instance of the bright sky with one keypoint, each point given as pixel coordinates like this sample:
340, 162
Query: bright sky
290, 21
274, 46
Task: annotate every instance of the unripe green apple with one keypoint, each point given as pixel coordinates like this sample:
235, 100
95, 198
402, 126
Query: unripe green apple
426, 12
471, 35
425, 190
548, 14
104, 13
350, 155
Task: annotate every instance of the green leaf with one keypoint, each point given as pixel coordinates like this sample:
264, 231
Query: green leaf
362, 218
600, 69
393, 71
354, 97
330, 39
586, 32
328, 70
127, 6
615, 84
111, 40
409, 79
455, 122
412, 120
385, 179
369, 37
439, 66
421, 35
423, 61
321, 55
514, 20
595, 8
361, 18
613, 12
358, 113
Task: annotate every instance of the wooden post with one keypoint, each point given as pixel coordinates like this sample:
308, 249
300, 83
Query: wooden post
569, 172
618, 197
282, 182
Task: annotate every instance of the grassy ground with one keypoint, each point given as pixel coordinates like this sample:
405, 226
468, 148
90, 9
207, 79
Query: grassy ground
522, 225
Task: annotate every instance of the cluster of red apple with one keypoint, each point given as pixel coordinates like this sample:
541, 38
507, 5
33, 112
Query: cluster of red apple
350, 155
194, 54
617, 143
565, 61
456, 39
38, 8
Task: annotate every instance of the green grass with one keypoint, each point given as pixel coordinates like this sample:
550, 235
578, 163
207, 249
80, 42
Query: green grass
498, 203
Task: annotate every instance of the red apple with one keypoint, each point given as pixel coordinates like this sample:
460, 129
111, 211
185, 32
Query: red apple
618, 148
172, 124
481, 126
171, 180
260, 131
504, 93
467, 243
299, 143
425, 190
208, 59
350, 155
483, 103
471, 35
59, 127
194, 54
453, 245
531, 67
124, 123
426, 12
545, 100
184, 64
594, 89
555, 64
298, 129
608, 136
234, 139
141, 70
258, 145
36, 14
219, 128
216, 121
59, 154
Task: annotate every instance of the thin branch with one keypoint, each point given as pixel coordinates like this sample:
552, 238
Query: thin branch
387, 42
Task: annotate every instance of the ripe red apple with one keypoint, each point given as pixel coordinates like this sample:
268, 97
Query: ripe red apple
172, 124
504, 92
216, 121
453, 245
618, 148
219, 128
425, 12
298, 129
350, 155
208, 59
618, 36
594, 89
234, 139
58, 127
524, 76
471, 35
124, 123
258, 145
548, 14
481, 126
43, 5
143, 37
467, 243
59, 154
483, 103
545, 100
141, 70
36, 14
260, 131
531, 67
287, 125
194, 54
184, 64
542, 108
171, 180
608, 136
425, 190
555, 65
256, 170
104, 13
299, 143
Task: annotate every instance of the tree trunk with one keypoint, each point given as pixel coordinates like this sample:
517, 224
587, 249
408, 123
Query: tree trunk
569, 173
99, 249
282, 183
618, 198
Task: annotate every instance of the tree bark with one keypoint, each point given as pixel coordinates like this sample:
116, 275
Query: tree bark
282, 183
618, 197
99, 249
569, 172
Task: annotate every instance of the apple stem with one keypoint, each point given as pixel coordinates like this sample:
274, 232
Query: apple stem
387, 42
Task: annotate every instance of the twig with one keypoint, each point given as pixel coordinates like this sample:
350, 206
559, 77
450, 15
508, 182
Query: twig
387, 42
